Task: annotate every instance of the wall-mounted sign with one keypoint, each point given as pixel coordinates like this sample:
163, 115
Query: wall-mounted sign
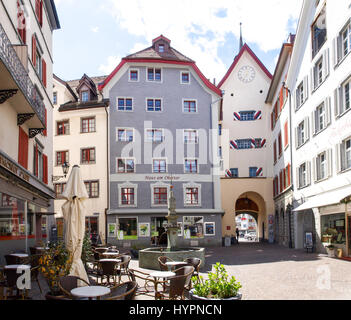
10, 166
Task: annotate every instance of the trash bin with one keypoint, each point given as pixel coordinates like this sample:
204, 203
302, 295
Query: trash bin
339, 253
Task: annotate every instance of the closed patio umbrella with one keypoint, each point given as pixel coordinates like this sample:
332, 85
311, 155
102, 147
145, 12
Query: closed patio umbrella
74, 215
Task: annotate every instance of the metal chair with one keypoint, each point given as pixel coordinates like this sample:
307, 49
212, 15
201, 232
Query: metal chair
67, 283
187, 270
107, 269
12, 259
162, 262
123, 291
148, 289
10, 284
196, 263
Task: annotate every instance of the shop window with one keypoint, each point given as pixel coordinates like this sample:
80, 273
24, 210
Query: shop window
12, 222
129, 228
193, 227
91, 226
44, 230
333, 229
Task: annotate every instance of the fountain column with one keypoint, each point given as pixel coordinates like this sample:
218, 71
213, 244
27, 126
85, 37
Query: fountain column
172, 226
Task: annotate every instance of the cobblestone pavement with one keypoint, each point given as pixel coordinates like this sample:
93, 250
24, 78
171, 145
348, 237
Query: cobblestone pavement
272, 272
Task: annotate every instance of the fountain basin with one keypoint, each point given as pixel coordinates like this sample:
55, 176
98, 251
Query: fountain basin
148, 258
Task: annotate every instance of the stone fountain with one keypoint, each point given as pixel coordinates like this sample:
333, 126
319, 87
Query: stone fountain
148, 258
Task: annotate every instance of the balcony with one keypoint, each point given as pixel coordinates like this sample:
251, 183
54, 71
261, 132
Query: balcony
17, 87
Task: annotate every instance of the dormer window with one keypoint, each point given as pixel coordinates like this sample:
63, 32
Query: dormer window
161, 48
85, 96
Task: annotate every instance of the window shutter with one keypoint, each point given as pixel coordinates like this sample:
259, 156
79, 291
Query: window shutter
289, 175
286, 134
335, 51
336, 103
296, 138
312, 79
327, 104
284, 179
330, 162
307, 126
305, 88
342, 156
34, 50
45, 132
298, 177
41, 13
314, 168
308, 169
294, 100
44, 72
281, 98
281, 181
326, 63
36, 162
45, 169
275, 151
272, 119
313, 117
23, 148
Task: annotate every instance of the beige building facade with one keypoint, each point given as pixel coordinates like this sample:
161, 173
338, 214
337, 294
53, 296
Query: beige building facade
80, 138
245, 145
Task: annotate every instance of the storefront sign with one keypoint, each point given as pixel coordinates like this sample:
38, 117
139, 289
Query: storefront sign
10, 166
161, 178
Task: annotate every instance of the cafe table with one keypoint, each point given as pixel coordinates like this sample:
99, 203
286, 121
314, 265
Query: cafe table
110, 260
163, 275
110, 254
17, 267
90, 292
21, 257
174, 264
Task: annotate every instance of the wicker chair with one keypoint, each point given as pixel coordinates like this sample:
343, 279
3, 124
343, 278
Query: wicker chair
123, 267
10, 284
177, 284
107, 269
100, 250
162, 262
123, 291
187, 270
34, 270
12, 259
67, 283
148, 289
32, 250
196, 263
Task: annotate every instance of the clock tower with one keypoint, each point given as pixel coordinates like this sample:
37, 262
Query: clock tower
245, 144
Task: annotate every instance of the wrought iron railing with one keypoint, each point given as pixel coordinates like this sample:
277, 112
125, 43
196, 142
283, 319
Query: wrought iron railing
13, 63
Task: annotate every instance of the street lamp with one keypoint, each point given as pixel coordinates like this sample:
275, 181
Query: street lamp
65, 169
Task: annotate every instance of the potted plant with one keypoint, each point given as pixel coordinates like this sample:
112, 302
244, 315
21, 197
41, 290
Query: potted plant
56, 262
218, 286
330, 250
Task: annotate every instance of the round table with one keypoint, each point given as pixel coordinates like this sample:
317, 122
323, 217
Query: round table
90, 292
17, 266
161, 274
110, 254
19, 255
113, 260
174, 264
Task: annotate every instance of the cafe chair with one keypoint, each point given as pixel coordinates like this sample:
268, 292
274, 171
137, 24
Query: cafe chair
67, 283
10, 284
187, 270
162, 262
123, 267
12, 259
196, 263
123, 291
34, 270
149, 285
106, 270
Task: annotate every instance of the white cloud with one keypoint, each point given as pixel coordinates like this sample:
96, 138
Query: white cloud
197, 31
94, 29
112, 63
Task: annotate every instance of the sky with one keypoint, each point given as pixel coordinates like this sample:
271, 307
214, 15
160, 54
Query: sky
96, 34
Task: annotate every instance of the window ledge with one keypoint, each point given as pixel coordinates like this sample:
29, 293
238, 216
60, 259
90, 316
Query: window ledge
320, 131
342, 60
300, 146
342, 114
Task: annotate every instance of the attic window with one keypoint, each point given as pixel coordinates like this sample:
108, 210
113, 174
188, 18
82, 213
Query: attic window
85, 96
161, 48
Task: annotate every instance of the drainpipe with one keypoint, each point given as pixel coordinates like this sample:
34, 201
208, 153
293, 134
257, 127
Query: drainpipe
291, 160
108, 172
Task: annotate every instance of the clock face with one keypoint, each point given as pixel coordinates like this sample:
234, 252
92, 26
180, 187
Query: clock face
246, 74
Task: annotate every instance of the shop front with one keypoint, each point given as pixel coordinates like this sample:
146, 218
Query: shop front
141, 231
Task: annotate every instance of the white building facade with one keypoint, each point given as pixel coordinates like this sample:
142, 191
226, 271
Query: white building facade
319, 79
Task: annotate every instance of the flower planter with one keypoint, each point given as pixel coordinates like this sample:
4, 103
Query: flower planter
193, 296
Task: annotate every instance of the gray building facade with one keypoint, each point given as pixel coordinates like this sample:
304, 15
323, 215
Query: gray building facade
163, 134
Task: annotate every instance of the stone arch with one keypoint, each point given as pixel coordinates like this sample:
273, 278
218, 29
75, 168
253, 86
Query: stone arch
253, 204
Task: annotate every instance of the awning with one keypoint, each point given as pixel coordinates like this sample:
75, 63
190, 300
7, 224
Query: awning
325, 199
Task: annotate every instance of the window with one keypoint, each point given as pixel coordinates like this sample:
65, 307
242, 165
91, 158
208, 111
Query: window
193, 227
191, 196
21, 27
190, 166
125, 104
280, 144
154, 74
127, 196
234, 172
318, 73
125, 165
244, 144
346, 155
88, 156
320, 118
159, 166
220, 129
247, 115
300, 95
23, 142
62, 157
62, 127
304, 174
220, 153
333, 228
346, 40
125, 135
320, 70
88, 125
191, 136
85, 96
128, 227
154, 105
321, 166
40, 164
133, 75
253, 172
185, 77
39, 11
189, 106
286, 134
154, 135
92, 188
346, 95
302, 133
319, 32
160, 196
59, 188
55, 98
161, 48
